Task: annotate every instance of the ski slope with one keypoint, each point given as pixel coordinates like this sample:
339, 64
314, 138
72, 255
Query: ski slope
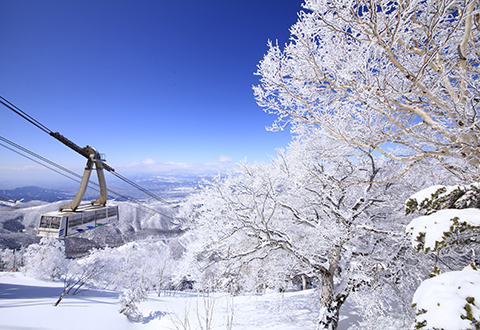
26, 303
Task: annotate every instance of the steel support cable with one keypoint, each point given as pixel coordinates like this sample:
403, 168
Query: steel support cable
121, 177
39, 157
74, 146
33, 160
71, 173
19, 112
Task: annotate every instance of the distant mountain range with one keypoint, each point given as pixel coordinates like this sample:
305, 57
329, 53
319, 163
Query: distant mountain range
21, 209
169, 188
29, 193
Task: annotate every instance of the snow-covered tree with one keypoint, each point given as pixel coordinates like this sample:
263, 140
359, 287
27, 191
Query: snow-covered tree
451, 220
309, 213
45, 260
7, 260
449, 229
148, 262
129, 299
398, 78
135, 268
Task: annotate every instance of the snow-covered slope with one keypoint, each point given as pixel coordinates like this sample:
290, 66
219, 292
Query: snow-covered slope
26, 303
18, 223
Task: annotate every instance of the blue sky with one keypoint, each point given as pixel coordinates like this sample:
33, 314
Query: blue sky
156, 85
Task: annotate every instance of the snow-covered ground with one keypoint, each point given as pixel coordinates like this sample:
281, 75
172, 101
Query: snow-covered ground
26, 303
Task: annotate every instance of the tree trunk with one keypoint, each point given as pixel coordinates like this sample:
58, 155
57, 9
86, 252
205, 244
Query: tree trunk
330, 307
65, 291
329, 301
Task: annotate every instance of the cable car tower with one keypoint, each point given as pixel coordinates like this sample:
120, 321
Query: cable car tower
98, 159
74, 218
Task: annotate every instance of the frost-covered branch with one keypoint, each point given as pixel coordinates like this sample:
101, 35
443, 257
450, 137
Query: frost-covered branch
398, 78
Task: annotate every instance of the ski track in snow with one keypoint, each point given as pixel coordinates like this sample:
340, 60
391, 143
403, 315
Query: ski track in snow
27, 304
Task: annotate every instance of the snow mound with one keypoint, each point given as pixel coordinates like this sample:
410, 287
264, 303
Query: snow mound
449, 301
429, 231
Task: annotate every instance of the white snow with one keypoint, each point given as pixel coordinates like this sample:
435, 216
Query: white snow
426, 193
26, 303
444, 298
434, 226
423, 196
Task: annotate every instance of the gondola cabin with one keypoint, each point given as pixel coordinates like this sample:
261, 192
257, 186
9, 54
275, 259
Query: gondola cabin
62, 224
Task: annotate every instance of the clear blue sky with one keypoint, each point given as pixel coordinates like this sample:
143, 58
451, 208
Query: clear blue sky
166, 83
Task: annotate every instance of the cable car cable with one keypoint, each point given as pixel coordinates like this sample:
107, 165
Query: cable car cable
74, 146
139, 187
19, 112
70, 172
33, 160
39, 157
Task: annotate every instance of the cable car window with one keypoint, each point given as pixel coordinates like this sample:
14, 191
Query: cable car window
55, 223
112, 212
89, 217
74, 220
45, 222
101, 214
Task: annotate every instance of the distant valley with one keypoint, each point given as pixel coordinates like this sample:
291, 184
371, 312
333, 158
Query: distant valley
21, 208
